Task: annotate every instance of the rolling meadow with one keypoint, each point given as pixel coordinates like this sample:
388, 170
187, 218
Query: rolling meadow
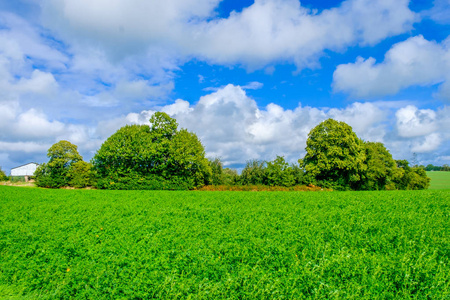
96, 244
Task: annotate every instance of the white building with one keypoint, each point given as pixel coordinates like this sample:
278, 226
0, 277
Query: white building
24, 170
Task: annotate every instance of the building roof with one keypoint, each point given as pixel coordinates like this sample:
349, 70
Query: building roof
25, 165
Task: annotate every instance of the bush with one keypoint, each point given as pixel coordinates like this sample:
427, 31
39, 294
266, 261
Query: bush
149, 182
3, 176
81, 175
407, 178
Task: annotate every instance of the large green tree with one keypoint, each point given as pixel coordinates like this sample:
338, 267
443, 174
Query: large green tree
381, 168
335, 156
56, 173
158, 156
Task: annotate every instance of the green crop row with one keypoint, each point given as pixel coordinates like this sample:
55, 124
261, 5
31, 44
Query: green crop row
92, 244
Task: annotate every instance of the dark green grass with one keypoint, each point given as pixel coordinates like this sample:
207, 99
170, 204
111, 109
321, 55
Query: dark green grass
90, 244
439, 180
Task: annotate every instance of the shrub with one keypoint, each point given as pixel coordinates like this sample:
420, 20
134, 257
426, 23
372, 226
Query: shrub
3, 176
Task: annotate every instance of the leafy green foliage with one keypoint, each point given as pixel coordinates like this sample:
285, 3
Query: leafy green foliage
216, 171
253, 173
230, 177
3, 176
271, 173
56, 173
91, 244
138, 156
279, 173
381, 168
81, 175
335, 156
186, 159
431, 167
408, 178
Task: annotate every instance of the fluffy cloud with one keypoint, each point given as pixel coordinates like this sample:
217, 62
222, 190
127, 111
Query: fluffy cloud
87, 65
412, 122
429, 143
440, 12
27, 135
423, 130
415, 61
231, 126
267, 31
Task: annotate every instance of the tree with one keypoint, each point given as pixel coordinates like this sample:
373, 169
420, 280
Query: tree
216, 171
126, 152
230, 177
3, 176
54, 174
407, 178
335, 156
253, 173
81, 175
152, 157
186, 159
279, 173
381, 167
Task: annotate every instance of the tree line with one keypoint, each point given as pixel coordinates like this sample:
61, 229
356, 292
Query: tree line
430, 167
161, 156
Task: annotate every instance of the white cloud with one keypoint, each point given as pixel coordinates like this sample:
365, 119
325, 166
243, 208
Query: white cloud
117, 57
34, 125
254, 85
429, 143
27, 147
440, 12
39, 83
267, 31
231, 126
366, 119
415, 61
412, 122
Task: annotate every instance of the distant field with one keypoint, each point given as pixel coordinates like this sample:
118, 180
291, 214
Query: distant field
439, 180
91, 244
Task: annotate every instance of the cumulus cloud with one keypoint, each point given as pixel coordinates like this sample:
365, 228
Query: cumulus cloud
115, 57
254, 85
412, 122
415, 61
231, 125
422, 130
429, 143
266, 31
440, 12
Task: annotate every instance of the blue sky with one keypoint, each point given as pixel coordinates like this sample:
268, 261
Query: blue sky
250, 78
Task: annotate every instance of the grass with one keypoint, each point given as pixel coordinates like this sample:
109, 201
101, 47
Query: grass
78, 244
439, 180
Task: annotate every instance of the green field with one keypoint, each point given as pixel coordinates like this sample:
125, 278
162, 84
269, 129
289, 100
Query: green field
439, 180
91, 244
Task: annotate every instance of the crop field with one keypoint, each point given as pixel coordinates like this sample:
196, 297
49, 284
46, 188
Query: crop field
439, 180
91, 244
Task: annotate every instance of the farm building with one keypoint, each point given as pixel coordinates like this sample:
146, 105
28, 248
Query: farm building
24, 170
